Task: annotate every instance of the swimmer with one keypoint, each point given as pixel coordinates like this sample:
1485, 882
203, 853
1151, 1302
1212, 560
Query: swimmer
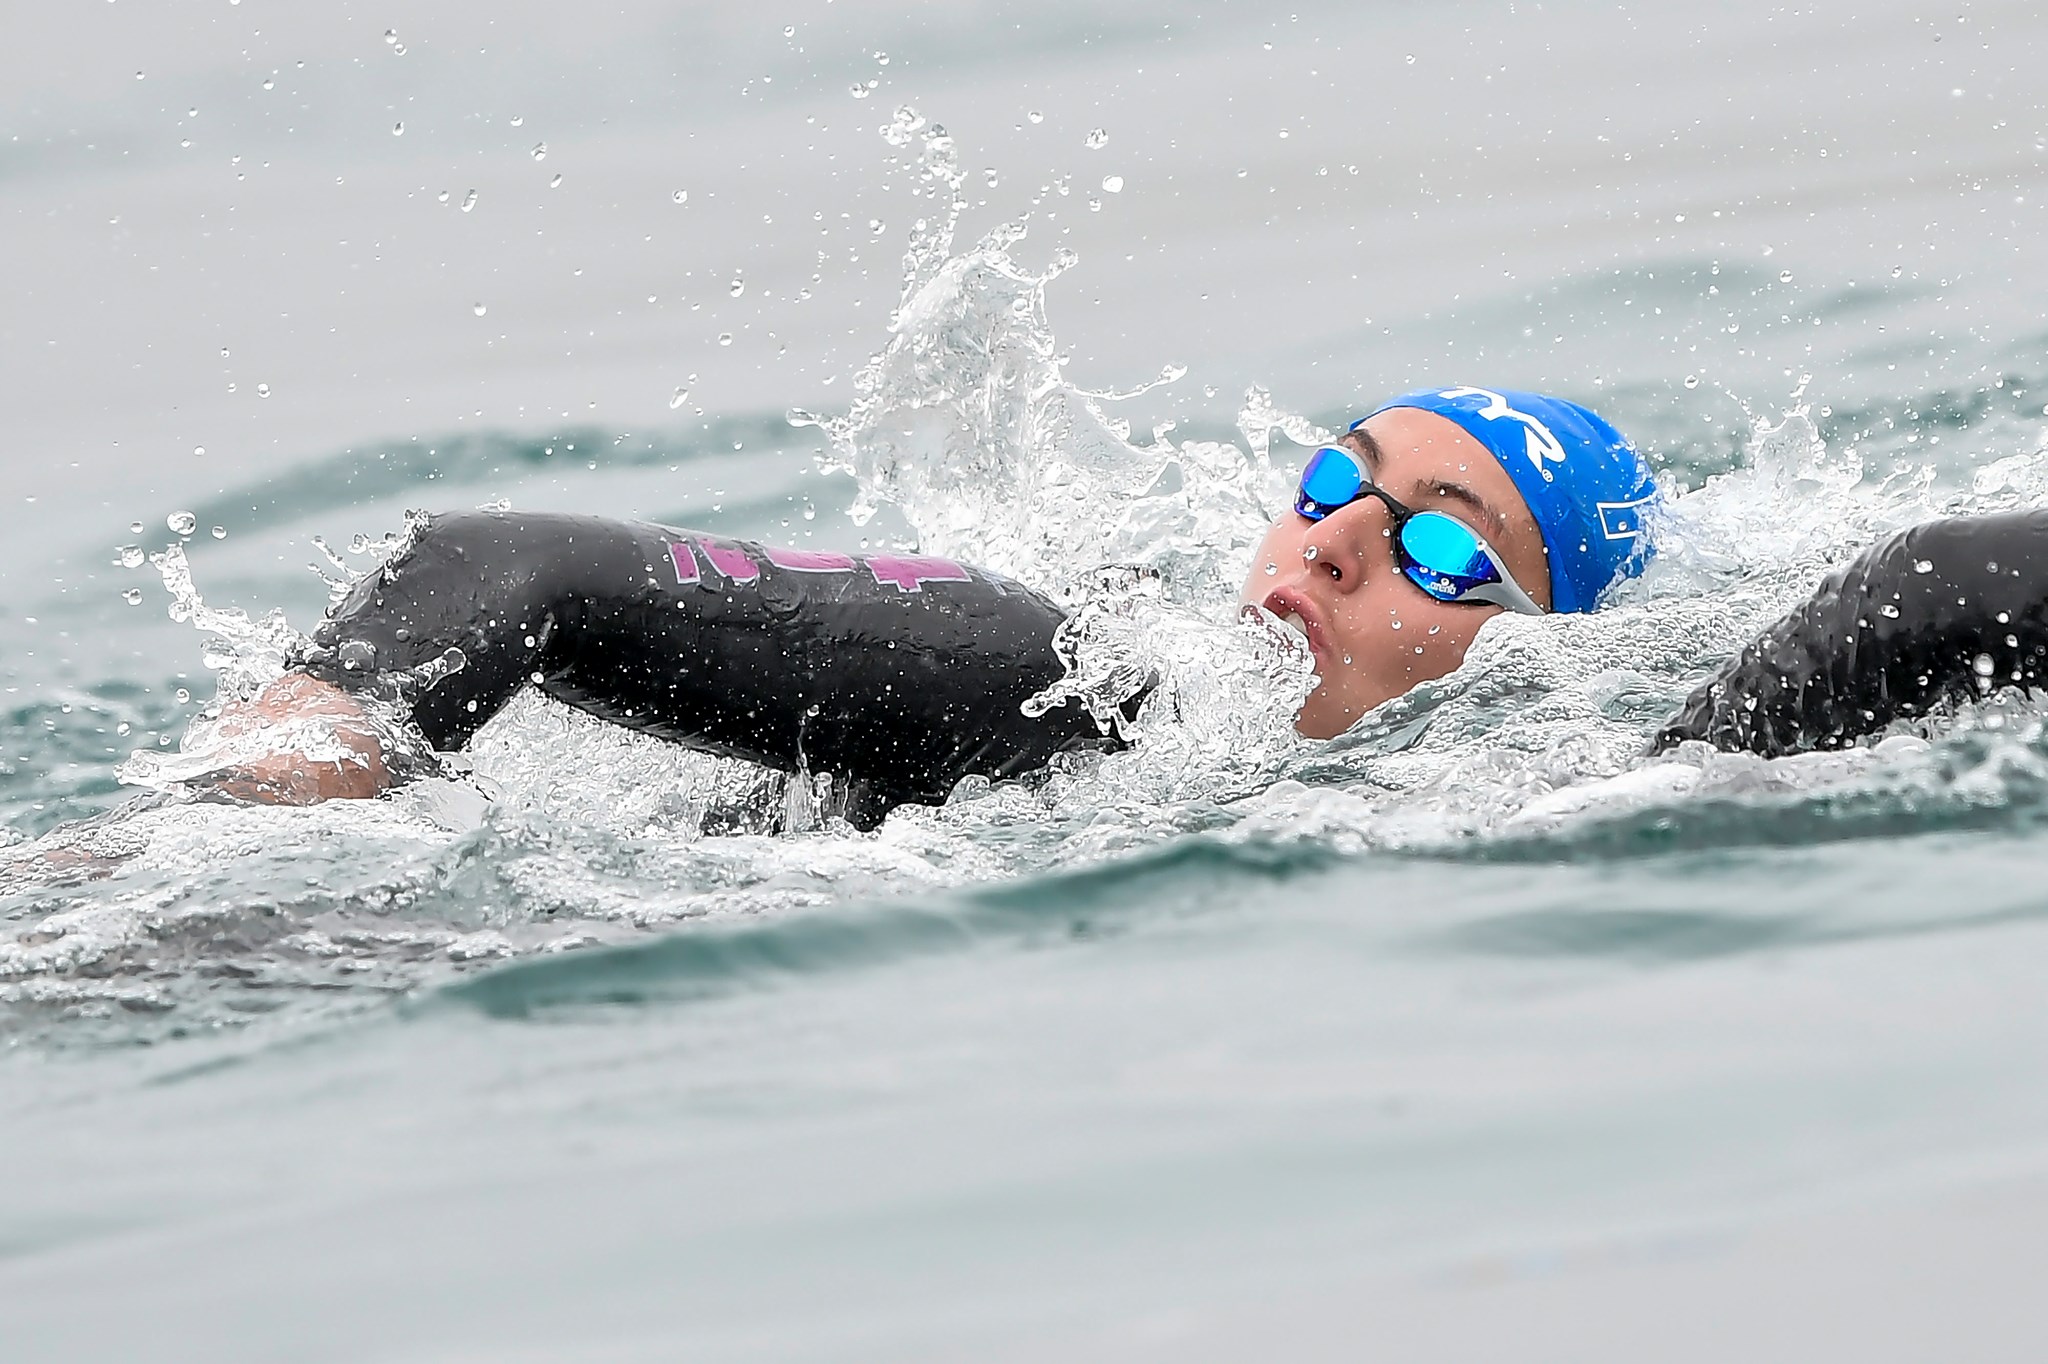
902, 674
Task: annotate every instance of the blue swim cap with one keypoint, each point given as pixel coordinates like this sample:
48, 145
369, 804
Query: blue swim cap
1585, 484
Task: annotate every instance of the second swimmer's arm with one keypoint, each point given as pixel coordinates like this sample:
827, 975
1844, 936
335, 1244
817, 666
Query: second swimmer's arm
1946, 609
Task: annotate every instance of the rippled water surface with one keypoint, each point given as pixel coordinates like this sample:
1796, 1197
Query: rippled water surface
1472, 1033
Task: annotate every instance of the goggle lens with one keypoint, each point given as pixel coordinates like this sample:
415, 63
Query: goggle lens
1330, 479
1443, 557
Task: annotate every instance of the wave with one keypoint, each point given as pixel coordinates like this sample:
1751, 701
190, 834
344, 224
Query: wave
412, 467
712, 960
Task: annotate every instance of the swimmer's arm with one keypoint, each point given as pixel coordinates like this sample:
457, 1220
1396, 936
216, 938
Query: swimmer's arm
898, 684
1943, 610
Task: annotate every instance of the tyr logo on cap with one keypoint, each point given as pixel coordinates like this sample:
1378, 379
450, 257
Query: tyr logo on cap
1542, 444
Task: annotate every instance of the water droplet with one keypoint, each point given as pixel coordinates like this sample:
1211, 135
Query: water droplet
183, 522
1923, 565
390, 36
1097, 139
1692, 381
725, 338
556, 183
861, 91
469, 201
477, 308
184, 697
398, 130
133, 596
681, 196
1898, 270
540, 151
192, 113
134, 528
810, 512
737, 287
789, 30
198, 449
1888, 611
398, 48
123, 728
442, 196
990, 176
881, 59
1272, 570
138, 75
876, 227
1310, 553
220, 532
1113, 183
678, 398
1983, 666
518, 119
132, 555
269, 83
1094, 204
263, 390
1036, 116
1411, 59
1784, 277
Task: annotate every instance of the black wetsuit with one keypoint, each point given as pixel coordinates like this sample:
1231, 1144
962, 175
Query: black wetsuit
901, 674
898, 674
1941, 611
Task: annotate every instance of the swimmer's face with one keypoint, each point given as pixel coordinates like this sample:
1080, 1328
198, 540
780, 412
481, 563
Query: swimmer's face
1376, 634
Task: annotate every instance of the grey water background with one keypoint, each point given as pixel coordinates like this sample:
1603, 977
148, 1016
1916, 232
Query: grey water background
1721, 1078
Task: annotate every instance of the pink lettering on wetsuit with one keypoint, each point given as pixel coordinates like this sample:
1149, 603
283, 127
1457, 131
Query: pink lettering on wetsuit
809, 560
910, 572
906, 572
730, 561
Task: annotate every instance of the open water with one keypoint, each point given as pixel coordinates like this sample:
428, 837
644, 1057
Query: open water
1472, 1034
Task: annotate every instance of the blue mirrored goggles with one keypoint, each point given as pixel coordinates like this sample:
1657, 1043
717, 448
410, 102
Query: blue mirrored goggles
1439, 553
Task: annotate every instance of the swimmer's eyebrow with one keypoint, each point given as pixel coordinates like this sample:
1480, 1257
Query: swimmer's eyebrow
1496, 524
1375, 459
1370, 448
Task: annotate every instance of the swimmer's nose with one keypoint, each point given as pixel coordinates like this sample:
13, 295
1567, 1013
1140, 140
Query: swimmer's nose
1338, 547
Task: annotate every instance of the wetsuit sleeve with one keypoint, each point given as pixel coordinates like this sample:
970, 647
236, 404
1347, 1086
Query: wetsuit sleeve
1944, 610
899, 672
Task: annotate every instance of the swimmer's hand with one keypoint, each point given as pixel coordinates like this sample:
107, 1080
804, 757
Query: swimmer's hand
289, 776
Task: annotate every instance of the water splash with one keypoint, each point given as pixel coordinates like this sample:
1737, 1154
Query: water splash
967, 423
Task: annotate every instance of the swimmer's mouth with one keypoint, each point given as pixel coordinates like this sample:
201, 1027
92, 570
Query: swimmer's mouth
1299, 614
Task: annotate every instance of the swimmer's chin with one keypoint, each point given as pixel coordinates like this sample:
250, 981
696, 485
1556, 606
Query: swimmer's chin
1321, 728
1325, 720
